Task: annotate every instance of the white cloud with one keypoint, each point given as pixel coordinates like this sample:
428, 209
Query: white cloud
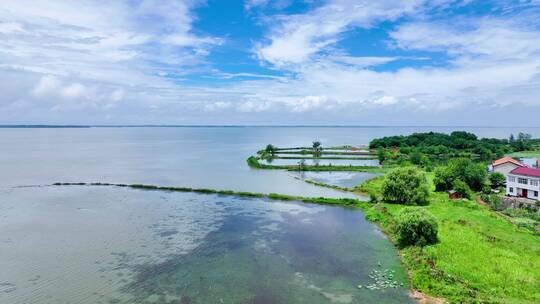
47, 85
298, 37
250, 4
385, 101
307, 103
73, 91
495, 39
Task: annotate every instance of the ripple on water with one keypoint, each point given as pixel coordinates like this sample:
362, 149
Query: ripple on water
155, 247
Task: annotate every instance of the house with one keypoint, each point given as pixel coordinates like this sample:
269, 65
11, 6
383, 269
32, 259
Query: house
505, 165
453, 195
523, 182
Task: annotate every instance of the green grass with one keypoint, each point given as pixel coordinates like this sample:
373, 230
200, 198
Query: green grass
481, 257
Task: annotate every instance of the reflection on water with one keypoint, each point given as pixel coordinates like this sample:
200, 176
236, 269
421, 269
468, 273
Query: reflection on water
116, 245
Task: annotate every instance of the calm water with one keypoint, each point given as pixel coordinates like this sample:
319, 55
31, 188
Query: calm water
197, 157
324, 162
342, 179
115, 245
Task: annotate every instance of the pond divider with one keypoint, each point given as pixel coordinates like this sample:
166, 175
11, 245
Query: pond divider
348, 202
253, 162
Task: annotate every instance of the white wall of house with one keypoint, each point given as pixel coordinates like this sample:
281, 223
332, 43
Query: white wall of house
517, 185
505, 168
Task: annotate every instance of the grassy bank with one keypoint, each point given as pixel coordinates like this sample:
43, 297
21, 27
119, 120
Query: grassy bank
481, 257
333, 152
367, 157
253, 162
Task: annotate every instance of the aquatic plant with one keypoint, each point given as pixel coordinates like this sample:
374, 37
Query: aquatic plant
382, 279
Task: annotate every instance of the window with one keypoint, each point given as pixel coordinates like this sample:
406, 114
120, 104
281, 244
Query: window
536, 193
534, 182
512, 179
522, 180
511, 190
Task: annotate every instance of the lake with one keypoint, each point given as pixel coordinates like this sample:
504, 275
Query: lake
79, 244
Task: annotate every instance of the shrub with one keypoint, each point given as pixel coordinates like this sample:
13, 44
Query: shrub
496, 179
463, 169
442, 179
461, 187
382, 155
419, 159
406, 185
416, 227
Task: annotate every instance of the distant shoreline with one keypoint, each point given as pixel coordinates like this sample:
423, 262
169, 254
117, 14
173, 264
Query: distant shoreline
44, 126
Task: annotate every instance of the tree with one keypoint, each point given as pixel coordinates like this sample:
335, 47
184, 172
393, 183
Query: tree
419, 159
270, 149
382, 155
406, 185
302, 165
496, 179
474, 175
443, 178
462, 187
471, 173
416, 227
317, 148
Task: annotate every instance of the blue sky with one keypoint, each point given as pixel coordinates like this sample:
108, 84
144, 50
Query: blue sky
262, 62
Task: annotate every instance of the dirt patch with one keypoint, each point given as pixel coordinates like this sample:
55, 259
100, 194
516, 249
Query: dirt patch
422, 298
480, 201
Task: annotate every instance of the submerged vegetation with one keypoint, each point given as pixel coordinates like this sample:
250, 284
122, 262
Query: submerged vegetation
275, 196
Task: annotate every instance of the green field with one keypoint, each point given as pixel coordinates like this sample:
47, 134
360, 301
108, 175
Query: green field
481, 257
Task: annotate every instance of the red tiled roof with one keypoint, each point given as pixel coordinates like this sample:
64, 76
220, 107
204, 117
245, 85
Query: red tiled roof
506, 159
526, 171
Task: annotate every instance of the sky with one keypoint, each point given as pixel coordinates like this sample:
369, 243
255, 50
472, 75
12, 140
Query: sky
263, 62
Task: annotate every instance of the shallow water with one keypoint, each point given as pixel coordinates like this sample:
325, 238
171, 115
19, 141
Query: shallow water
342, 179
324, 162
115, 245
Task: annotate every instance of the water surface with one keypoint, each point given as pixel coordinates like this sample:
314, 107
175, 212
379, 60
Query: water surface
115, 245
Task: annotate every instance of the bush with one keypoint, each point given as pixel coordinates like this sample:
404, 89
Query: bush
474, 175
407, 186
416, 227
442, 179
496, 179
461, 187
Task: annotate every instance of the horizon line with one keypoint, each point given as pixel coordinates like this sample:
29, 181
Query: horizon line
36, 126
